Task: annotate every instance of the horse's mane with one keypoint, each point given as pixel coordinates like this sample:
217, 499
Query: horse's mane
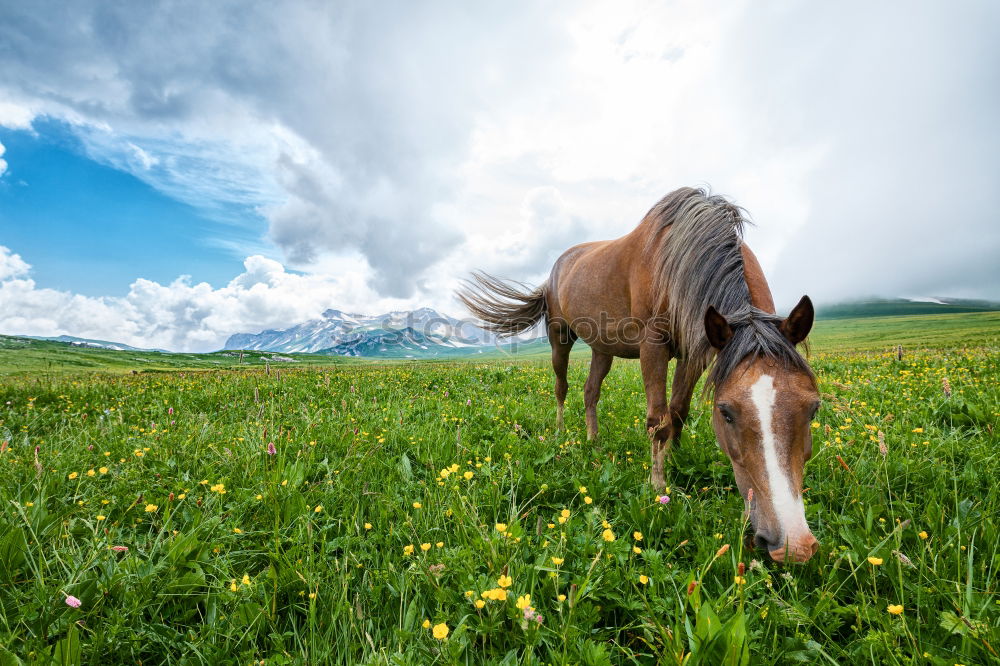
699, 263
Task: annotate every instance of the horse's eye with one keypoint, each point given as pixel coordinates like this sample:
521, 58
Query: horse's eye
726, 414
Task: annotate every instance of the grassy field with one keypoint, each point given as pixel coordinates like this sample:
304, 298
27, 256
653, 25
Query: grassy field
414, 513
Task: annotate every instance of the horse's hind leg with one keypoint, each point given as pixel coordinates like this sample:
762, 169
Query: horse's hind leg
600, 364
562, 343
653, 359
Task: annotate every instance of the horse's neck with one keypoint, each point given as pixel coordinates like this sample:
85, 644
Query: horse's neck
760, 293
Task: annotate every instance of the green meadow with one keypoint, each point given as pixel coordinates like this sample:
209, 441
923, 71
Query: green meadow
200, 509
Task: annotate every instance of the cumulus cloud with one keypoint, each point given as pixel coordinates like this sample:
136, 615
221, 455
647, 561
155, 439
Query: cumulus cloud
180, 316
408, 143
3, 163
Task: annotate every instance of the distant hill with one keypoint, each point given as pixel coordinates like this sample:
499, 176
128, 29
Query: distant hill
887, 307
87, 342
420, 333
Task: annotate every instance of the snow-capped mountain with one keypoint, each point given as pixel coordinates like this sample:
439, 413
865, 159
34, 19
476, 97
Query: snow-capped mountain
419, 332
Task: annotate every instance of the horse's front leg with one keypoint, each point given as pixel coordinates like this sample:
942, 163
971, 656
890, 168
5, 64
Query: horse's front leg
686, 375
653, 359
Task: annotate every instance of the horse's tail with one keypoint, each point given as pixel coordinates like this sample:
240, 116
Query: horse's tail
506, 307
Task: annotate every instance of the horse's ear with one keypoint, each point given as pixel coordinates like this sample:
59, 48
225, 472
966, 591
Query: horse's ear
799, 322
717, 329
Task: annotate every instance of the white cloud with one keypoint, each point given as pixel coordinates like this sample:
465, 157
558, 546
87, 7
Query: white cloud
182, 315
401, 145
3, 163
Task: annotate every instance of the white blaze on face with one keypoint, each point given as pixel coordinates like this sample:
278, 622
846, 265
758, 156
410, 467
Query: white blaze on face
788, 506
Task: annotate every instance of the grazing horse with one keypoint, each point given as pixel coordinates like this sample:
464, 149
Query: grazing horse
683, 285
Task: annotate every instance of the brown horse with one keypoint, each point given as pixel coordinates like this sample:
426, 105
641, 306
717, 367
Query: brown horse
683, 285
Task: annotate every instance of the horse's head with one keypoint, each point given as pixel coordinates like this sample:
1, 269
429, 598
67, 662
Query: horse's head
762, 419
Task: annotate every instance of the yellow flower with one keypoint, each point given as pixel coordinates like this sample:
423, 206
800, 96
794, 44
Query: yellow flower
237, 530
426, 624
312, 595
417, 505
91, 472
505, 581
479, 603
875, 560
561, 597
73, 475
259, 496
368, 526
246, 579
468, 475
501, 527
918, 430
284, 482
644, 579
425, 547
408, 550
608, 535
637, 536
150, 508
103, 470
583, 490
895, 609
815, 424
923, 534
636, 550
440, 544
739, 580
523, 602
440, 631
588, 500
562, 519
551, 525
319, 507
469, 593
102, 518
564, 513
182, 496
233, 586
557, 561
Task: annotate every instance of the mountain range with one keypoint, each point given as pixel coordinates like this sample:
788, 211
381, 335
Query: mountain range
424, 332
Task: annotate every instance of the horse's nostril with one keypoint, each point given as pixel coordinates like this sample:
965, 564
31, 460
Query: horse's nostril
761, 541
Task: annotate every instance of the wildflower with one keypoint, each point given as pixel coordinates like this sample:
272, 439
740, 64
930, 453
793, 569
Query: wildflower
875, 561
636, 550
284, 482
608, 535
426, 624
72, 601
425, 547
922, 534
918, 430
237, 530
557, 561
739, 580
151, 508
120, 549
468, 475
663, 499
440, 631
73, 475
246, 579
561, 597
440, 544
479, 603
583, 490
815, 425
233, 586
693, 584
103, 470
505, 581
644, 579
637, 536
319, 508
722, 551
368, 526
99, 518
417, 505
91, 472
312, 595
501, 527
408, 550
588, 500
895, 609
564, 513
270, 449
523, 602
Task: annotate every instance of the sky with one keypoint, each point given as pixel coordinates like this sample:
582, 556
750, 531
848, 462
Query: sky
172, 173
